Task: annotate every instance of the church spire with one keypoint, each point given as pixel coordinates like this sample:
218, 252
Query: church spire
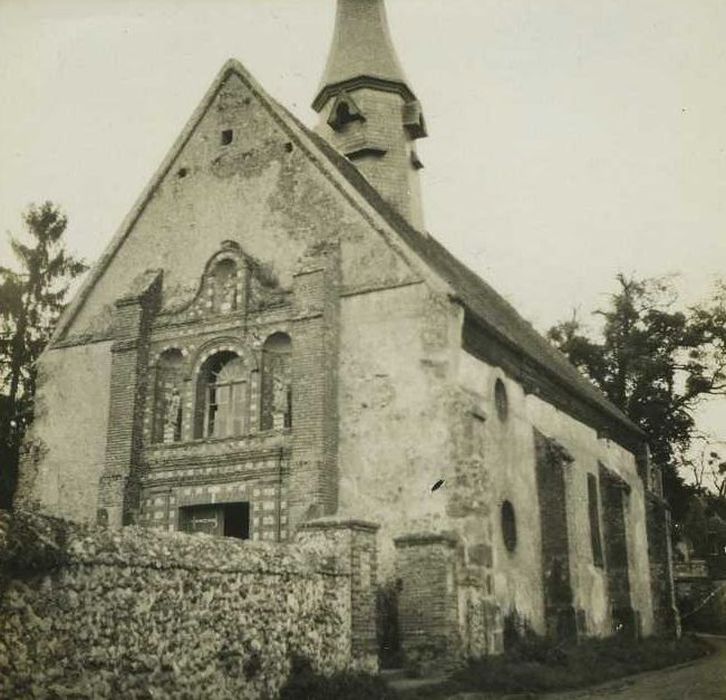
367, 108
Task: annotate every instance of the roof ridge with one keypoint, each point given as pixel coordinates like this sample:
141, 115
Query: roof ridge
450, 268
419, 248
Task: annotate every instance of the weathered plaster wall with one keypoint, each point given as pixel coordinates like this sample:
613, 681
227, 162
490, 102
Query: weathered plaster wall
509, 464
137, 613
509, 454
589, 582
394, 393
261, 191
65, 450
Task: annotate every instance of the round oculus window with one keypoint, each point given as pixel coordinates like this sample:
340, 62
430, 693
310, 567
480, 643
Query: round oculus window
509, 526
501, 401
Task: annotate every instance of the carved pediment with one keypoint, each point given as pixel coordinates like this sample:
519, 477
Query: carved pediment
232, 284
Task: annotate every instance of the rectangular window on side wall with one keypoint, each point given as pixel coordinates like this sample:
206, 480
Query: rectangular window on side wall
594, 512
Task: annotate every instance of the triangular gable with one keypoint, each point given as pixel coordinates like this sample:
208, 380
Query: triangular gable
420, 251
305, 139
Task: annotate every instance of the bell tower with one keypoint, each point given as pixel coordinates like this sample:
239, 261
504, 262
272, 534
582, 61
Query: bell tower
366, 108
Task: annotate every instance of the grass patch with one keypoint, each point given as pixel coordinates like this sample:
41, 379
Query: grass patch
531, 664
304, 684
534, 665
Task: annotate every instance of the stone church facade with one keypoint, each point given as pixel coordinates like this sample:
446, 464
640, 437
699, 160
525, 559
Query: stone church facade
272, 337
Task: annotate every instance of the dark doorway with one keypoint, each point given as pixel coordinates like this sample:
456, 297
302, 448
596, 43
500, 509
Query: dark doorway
237, 520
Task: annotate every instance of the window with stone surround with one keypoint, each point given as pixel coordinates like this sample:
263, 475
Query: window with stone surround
594, 514
222, 397
276, 391
168, 397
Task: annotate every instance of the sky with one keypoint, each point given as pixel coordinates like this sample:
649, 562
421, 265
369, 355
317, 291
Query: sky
568, 140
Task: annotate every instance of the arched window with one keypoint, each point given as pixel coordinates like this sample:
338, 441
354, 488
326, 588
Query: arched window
344, 111
276, 392
225, 286
168, 397
222, 397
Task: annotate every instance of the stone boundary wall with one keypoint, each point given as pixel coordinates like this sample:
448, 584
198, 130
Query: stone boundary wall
137, 613
701, 601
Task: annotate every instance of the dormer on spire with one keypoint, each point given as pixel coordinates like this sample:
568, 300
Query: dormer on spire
367, 108
344, 111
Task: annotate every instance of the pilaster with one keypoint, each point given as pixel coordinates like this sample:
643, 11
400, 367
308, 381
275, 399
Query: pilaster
119, 484
314, 472
614, 493
553, 460
426, 565
354, 541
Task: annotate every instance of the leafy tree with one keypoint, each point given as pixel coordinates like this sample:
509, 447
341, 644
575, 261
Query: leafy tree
32, 298
707, 464
656, 363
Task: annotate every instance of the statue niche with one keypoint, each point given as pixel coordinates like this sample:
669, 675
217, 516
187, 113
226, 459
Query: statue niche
276, 405
226, 287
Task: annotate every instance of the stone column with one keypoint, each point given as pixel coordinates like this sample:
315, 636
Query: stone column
354, 541
428, 599
119, 485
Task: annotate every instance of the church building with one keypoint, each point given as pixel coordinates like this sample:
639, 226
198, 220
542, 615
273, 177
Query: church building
272, 336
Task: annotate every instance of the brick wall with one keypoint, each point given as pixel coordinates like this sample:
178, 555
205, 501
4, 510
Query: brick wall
119, 488
314, 474
551, 462
354, 542
428, 598
614, 494
286, 474
160, 505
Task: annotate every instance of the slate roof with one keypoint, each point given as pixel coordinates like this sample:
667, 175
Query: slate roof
361, 46
496, 315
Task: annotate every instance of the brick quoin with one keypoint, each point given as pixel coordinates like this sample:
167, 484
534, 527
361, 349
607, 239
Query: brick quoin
552, 461
119, 488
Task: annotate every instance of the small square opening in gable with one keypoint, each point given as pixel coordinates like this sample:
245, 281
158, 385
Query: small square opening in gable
227, 136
